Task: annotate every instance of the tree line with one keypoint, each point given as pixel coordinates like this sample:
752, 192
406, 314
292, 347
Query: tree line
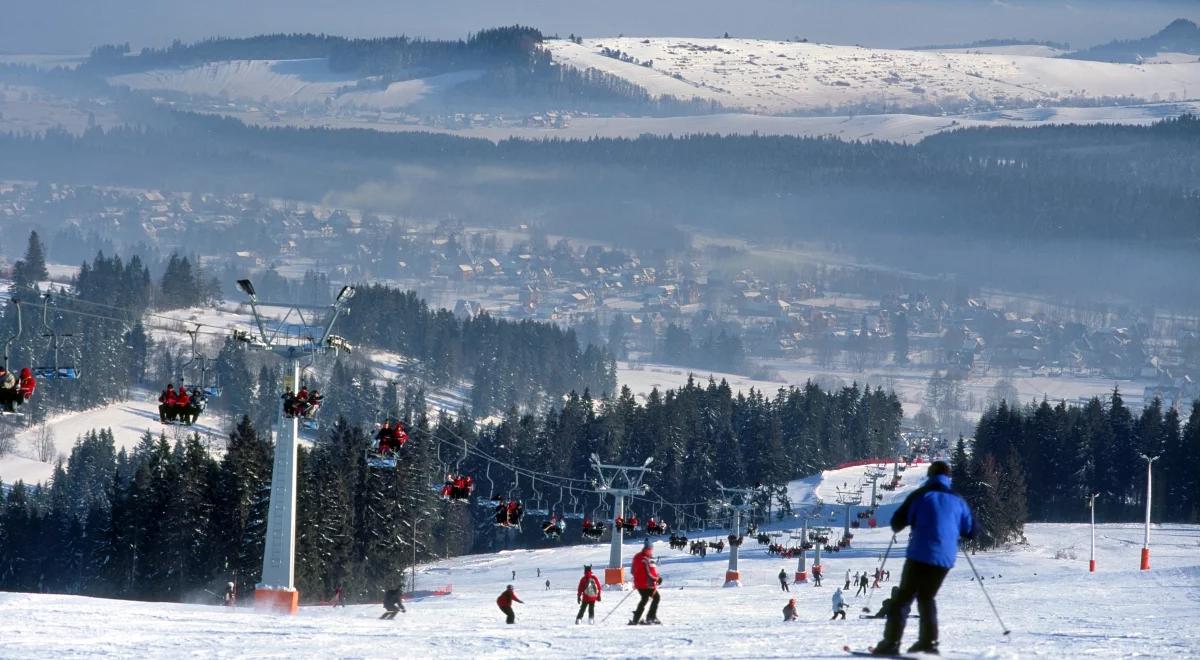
1015, 184
174, 522
1042, 463
508, 362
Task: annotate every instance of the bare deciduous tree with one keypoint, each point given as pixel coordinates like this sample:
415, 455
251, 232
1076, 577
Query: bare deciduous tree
44, 447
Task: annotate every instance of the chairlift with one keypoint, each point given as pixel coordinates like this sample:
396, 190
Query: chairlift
51, 368
574, 513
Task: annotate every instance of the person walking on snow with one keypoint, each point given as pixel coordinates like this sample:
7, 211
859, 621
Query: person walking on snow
587, 595
939, 517
839, 606
816, 575
847, 587
862, 585
646, 580
783, 579
505, 602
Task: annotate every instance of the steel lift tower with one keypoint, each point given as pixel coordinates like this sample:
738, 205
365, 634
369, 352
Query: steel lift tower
620, 481
277, 590
736, 500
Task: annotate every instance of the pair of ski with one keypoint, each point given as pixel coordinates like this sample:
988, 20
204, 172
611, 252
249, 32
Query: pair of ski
869, 653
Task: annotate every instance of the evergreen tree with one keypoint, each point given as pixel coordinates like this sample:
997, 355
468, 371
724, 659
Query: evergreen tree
32, 268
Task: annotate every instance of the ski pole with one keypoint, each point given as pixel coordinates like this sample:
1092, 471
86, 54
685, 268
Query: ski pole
610, 612
979, 579
871, 594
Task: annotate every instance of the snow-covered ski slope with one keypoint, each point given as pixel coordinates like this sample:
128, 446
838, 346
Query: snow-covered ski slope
1055, 608
775, 77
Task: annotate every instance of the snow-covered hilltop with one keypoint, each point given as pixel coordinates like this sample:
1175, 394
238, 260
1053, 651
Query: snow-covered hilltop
779, 77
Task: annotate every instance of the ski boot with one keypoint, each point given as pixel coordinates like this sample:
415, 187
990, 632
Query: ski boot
885, 647
930, 648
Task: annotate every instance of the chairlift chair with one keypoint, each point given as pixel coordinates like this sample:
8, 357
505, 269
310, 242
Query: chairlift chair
51, 369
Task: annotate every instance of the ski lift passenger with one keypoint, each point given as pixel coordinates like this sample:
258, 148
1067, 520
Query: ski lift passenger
166, 404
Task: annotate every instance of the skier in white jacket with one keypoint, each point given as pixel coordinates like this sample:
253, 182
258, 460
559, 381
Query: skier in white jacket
839, 605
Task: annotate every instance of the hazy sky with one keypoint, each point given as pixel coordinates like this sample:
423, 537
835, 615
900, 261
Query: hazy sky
72, 26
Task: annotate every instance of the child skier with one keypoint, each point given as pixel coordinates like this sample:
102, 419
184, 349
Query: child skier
587, 595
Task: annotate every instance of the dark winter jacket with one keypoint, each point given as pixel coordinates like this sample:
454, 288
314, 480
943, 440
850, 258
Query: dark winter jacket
391, 600
789, 612
938, 517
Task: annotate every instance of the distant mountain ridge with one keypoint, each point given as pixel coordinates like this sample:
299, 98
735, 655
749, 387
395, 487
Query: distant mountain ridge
990, 43
1181, 36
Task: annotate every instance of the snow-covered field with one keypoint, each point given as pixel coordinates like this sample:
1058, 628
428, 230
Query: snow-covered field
1053, 606
774, 77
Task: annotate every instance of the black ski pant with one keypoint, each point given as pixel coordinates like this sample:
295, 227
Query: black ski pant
920, 581
590, 606
862, 589
509, 615
650, 595
841, 613
389, 615
784, 585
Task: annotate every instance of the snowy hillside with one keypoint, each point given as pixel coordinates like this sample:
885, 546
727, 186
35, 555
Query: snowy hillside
1054, 607
129, 420
299, 82
774, 77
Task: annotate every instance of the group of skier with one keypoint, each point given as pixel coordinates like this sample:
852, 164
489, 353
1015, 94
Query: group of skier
303, 403
554, 527
508, 513
458, 487
861, 581
180, 405
937, 516
390, 437
16, 390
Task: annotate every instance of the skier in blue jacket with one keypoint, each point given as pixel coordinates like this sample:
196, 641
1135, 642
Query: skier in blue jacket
939, 517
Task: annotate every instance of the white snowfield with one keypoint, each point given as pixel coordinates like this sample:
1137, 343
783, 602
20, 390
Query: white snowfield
1053, 606
742, 75
300, 82
775, 77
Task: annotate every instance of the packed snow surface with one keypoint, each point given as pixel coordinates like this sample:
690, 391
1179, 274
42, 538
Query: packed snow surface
775, 77
1042, 589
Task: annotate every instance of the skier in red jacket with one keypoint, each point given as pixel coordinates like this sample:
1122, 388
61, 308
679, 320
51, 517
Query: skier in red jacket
505, 601
27, 384
166, 404
587, 595
646, 580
